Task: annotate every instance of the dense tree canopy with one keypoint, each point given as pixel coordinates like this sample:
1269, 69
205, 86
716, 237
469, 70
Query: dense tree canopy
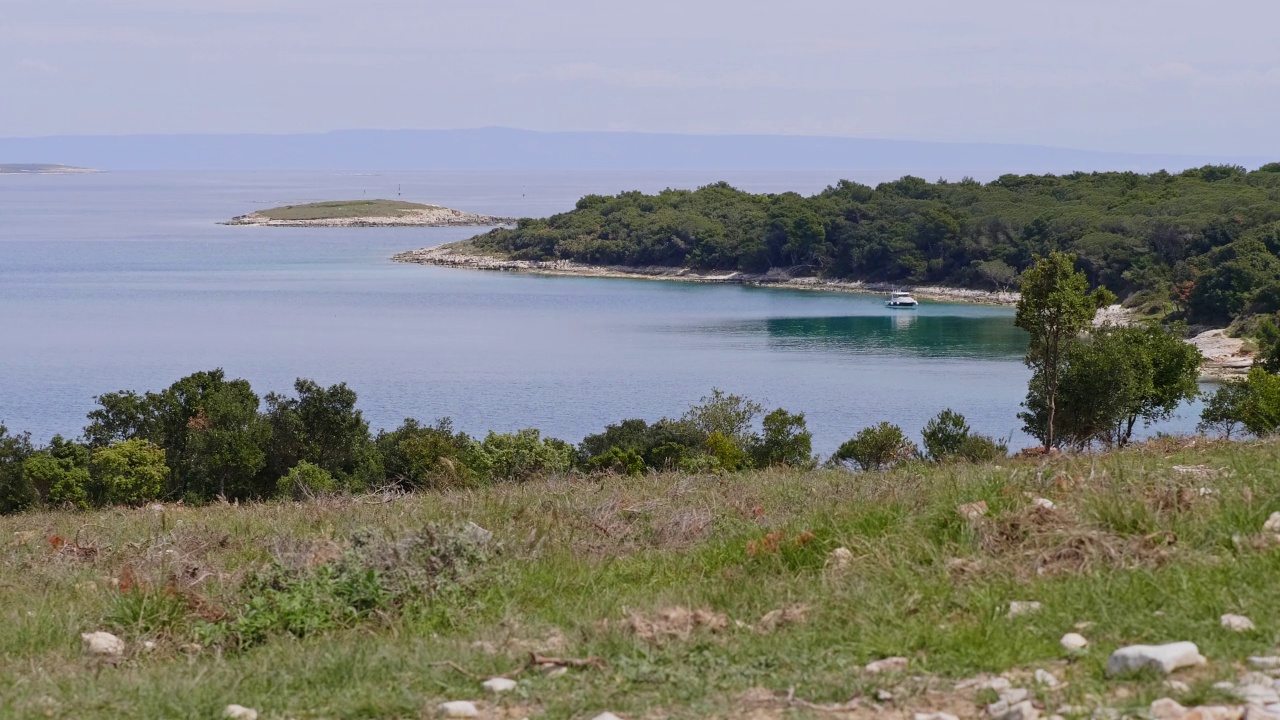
1204, 241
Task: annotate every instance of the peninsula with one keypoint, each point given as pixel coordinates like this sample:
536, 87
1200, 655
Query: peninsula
42, 169
367, 213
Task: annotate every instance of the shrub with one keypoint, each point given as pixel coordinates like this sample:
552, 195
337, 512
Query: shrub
130, 472
616, 460
729, 415
59, 482
728, 456
982, 449
876, 448
306, 481
426, 457
1254, 403
514, 457
16, 491
786, 441
945, 434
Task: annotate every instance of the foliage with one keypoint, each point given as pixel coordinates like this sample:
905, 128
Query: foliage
322, 426
129, 472
728, 455
945, 435
662, 445
1110, 380
306, 481
1205, 238
519, 456
876, 448
730, 415
59, 480
16, 490
209, 426
1055, 307
1253, 404
426, 457
786, 441
617, 460
1269, 345
977, 448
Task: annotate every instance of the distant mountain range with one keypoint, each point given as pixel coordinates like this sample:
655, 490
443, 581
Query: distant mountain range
525, 150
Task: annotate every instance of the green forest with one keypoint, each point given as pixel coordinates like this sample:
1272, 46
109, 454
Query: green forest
1202, 245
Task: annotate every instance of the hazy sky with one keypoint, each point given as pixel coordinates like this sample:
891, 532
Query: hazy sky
1146, 75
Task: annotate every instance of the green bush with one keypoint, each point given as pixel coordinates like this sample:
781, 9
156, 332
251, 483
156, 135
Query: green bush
519, 456
16, 490
60, 482
1253, 404
945, 434
728, 456
876, 448
306, 481
982, 449
786, 441
616, 460
420, 457
131, 472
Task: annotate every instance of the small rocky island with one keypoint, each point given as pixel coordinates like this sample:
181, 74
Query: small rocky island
367, 213
41, 169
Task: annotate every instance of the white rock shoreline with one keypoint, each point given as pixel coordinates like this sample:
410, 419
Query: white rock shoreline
425, 217
450, 256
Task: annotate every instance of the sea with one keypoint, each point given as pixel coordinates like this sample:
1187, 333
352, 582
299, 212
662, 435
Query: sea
126, 280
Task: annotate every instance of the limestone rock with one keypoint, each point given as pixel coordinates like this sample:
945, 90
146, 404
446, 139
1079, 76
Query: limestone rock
1268, 662
839, 559
1018, 711
458, 709
1214, 712
1237, 623
1044, 503
1023, 607
1046, 678
1177, 686
102, 644
884, 696
1272, 525
499, 684
1073, 642
606, 716
1167, 709
890, 664
934, 716
476, 534
1254, 712
1258, 694
1165, 658
239, 712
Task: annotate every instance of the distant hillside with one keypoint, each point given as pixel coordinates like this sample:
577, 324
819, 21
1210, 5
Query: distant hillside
40, 169
507, 149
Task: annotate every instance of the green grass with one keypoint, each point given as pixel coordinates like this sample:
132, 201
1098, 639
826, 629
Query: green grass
1135, 548
339, 209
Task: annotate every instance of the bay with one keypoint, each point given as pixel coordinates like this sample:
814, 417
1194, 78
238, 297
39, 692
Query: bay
126, 281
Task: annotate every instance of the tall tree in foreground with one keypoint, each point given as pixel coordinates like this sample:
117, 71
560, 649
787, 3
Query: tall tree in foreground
1055, 308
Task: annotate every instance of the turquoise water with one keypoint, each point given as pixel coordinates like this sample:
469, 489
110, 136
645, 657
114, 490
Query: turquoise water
124, 280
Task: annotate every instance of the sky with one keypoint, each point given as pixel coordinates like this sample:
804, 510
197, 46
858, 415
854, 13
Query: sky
1172, 76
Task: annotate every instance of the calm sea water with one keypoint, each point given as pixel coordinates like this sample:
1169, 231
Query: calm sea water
126, 281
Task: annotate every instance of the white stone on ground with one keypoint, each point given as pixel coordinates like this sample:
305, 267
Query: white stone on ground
883, 695
1272, 525
934, 716
1177, 686
606, 716
1268, 662
1045, 503
1046, 678
1018, 711
499, 684
999, 684
1023, 607
1072, 642
239, 712
891, 664
1165, 658
1258, 694
972, 511
1167, 709
840, 558
458, 709
103, 644
1237, 623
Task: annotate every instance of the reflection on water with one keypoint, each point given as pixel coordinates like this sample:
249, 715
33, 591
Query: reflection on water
932, 336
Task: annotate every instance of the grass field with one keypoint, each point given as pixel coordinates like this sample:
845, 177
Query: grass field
343, 209
666, 579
